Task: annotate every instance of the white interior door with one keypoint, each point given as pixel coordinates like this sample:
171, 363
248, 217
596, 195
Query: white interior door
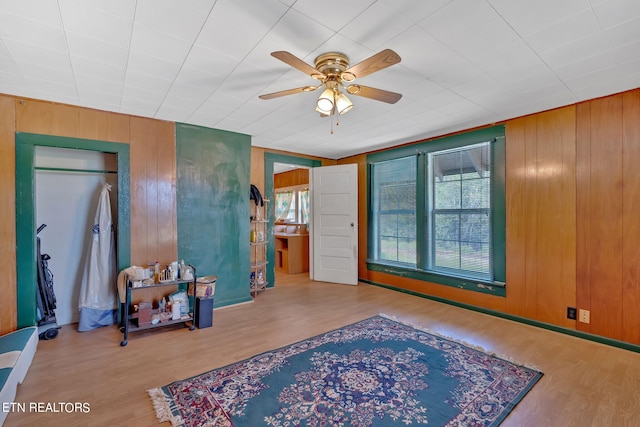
334, 230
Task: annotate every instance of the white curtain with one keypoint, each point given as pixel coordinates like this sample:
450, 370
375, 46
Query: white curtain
283, 204
304, 206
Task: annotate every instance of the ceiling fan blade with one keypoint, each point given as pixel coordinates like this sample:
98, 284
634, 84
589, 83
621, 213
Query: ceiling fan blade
288, 92
298, 64
377, 62
373, 93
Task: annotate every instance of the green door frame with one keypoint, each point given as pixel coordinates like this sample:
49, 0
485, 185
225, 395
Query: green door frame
26, 218
269, 193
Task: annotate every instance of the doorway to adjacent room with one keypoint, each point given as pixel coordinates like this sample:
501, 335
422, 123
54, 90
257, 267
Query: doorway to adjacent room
275, 164
291, 207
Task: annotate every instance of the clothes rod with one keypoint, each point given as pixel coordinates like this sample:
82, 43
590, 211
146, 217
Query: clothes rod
75, 170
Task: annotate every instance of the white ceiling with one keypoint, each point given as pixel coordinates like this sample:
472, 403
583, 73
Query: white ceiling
464, 62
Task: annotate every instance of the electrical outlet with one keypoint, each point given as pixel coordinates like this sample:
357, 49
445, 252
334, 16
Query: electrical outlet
585, 316
571, 313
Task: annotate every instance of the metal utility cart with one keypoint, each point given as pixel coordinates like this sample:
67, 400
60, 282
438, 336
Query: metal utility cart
131, 321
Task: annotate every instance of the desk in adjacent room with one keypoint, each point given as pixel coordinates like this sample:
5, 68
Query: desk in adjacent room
292, 252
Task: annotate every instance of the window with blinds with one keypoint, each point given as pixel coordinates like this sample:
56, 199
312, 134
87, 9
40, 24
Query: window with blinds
459, 211
395, 210
437, 211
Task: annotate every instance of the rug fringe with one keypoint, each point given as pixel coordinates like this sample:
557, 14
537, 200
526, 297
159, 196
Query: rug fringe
162, 406
462, 342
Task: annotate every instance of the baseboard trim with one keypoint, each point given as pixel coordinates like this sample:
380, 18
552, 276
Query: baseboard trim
572, 332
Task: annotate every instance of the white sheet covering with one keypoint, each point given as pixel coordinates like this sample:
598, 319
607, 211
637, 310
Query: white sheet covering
98, 300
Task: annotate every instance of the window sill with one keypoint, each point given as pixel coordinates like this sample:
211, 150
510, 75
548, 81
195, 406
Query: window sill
498, 289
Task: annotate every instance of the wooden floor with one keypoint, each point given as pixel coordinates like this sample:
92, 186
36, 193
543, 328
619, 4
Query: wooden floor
584, 383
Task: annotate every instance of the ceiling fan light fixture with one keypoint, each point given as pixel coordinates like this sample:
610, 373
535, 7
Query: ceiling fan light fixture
343, 104
324, 113
335, 76
325, 102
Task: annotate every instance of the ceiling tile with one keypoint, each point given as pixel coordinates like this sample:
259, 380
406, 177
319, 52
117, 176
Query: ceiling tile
295, 33
159, 67
101, 101
180, 20
42, 11
527, 17
97, 50
615, 12
578, 50
121, 9
602, 61
92, 83
324, 11
469, 27
37, 56
376, 26
416, 11
223, 33
424, 54
623, 33
56, 91
106, 72
84, 19
465, 63
573, 28
159, 45
31, 32
147, 82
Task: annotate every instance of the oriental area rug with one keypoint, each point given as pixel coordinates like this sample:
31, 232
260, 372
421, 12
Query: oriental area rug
377, 372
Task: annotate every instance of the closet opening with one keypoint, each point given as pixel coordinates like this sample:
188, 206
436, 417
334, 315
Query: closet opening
68, 183
26, 206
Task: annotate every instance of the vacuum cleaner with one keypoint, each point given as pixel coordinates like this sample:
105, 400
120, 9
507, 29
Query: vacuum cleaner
47, 323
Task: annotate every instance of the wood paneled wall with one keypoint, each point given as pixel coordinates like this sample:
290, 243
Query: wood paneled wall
154, 235
573, 197
257, 168
153, 207
572, 222
541, 219
8, 293
608, 184
291, 178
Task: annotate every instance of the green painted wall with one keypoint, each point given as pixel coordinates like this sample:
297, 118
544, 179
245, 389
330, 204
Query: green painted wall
212, 185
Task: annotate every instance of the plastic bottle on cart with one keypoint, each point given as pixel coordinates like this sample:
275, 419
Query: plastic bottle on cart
182, 269
156, 273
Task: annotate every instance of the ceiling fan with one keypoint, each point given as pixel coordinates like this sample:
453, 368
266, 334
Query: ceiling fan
334, 73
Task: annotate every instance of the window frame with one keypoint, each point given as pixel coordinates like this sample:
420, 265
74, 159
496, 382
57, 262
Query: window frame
432, 211
496, 136
377, 216
296, 190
